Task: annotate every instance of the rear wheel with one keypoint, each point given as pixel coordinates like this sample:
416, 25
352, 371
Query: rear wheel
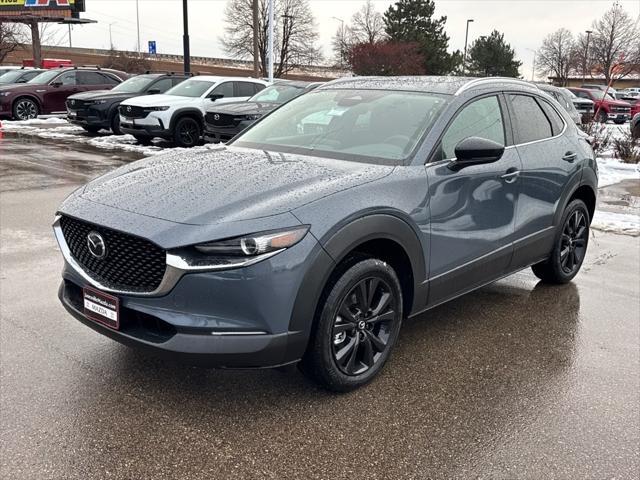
356, 328
187, 132
570, 247
25, 109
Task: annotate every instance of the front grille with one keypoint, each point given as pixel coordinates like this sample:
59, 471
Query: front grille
131, 111
621, 109
222, 120
131, 263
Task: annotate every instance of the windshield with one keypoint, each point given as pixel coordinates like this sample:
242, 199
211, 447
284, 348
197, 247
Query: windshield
134, 84
45, 77
190, 88
600, 95
277, 94
11, 76
376, 126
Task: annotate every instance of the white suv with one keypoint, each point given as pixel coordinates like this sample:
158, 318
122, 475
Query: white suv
178, 114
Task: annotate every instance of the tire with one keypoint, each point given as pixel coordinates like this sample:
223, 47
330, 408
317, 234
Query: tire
115, 124
603, 116
143, 139
187, 132
570, 246
348, 349
25, 109
619, 122
92, 130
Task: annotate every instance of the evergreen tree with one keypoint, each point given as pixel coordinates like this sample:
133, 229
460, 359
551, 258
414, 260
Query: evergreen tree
492, 57
411, 21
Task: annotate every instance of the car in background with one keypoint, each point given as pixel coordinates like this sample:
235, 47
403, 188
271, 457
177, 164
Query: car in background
567, 100
605, 108
603, 88
7, 68
47, 92
224, 122
178, 115
99, 109
285, 246
629, 95
22, 75
47, 63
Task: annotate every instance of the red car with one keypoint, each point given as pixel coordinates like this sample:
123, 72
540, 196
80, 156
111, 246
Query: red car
48, 92
610, 109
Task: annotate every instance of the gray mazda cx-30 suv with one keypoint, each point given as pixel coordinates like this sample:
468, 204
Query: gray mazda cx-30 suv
319, 229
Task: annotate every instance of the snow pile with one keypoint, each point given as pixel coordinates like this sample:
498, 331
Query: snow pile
610, 169
625, 223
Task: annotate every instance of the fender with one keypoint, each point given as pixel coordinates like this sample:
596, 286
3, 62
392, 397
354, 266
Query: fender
190, 111
30, 96
585, 176
337, 244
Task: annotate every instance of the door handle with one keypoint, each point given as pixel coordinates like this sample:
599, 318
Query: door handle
511, 176
570, 156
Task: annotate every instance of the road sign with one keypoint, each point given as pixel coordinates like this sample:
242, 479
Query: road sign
152, 47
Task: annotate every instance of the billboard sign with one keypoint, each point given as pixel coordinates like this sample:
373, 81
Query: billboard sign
32, 6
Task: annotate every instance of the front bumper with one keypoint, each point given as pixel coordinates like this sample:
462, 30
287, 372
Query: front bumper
150, 126
619, 117
223, 134
5, 107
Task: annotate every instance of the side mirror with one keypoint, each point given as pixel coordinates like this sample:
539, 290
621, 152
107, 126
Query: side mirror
153, 91
56, 84
475, 151
215, 97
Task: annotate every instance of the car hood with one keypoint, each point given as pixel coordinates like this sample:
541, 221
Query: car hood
103, 95
581, 101
245, 108
158, 100
225, 184
20, 87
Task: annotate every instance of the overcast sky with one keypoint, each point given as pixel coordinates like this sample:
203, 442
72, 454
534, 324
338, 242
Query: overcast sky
524, 22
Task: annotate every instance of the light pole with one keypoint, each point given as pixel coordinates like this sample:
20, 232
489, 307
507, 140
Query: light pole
341, 41
466, 38
138, 25
185, 37
533, 68
285, 41
110, 36
586, 56
270, 41
256, 28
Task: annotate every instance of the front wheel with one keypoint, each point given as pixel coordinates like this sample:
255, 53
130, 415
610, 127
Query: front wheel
91, 130
356, 328
115, 124
25, 109
570, 246
187, 132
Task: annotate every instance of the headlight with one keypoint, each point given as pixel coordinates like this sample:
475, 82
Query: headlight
252, 117
236, 252
98, 102
156, 109
5, 94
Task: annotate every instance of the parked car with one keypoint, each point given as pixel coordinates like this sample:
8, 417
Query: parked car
606, 108
7, 68
178, 115
47, 93
635, 126
224, 122
47, 63
99, 109
628, 95
603, 88
567, 100
287, 246
22, 75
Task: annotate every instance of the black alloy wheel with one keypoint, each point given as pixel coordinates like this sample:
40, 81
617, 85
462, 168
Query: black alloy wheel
356, 326
25, 109
570, 248
187, 132
363, 326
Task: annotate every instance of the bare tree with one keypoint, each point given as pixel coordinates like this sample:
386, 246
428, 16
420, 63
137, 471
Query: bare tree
11, 38
341, 43
556, 55
367, 25
295, 34
615, 44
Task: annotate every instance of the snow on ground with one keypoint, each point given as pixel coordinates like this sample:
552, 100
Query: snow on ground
611, 170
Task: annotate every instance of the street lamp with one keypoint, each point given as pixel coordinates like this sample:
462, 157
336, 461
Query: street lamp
466, 38
138, 25
110, 36
341, 41
586, 56
270, 41
185, 38
533, 68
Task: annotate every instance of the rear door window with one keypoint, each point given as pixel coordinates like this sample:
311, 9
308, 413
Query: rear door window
162, 85
557, 124
482, 118
245, 89
225, 89
91, 78
530, 123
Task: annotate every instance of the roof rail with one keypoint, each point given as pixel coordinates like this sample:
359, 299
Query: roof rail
165, 72
481, 81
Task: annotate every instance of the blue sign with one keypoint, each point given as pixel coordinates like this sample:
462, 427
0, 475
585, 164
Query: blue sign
152, 47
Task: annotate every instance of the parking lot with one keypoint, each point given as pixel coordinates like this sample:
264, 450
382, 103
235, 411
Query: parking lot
515, 380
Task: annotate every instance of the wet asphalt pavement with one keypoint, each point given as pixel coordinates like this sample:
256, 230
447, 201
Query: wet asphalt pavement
516, 380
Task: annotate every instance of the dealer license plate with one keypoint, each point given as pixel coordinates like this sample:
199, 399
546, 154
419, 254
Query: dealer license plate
102, 308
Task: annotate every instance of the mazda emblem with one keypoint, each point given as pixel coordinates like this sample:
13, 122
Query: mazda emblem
73, 102
96, 245
216, 117
128, 109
